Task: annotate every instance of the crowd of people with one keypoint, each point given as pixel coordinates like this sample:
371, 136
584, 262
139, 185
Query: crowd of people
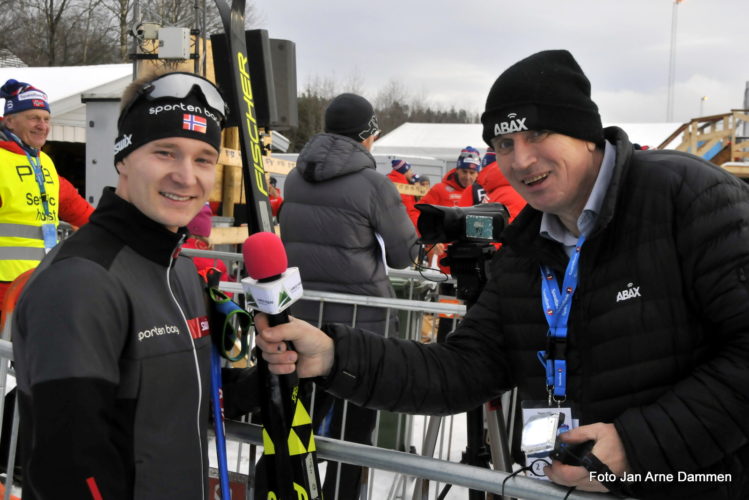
617, 294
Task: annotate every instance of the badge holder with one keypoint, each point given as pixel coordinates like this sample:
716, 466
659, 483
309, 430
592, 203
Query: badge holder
49, 234
542, 424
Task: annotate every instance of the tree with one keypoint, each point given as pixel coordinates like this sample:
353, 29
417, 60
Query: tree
393, 107
75, 32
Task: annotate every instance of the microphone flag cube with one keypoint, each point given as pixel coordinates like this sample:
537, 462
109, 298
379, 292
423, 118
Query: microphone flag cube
275, 296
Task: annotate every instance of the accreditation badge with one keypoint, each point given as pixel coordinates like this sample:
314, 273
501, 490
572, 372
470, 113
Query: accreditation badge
541, 426
49, 234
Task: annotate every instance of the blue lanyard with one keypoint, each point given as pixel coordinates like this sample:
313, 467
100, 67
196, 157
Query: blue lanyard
556, 304
36, 165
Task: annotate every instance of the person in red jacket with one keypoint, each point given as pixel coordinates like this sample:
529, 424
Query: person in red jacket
33, 197
274, 196
492, 186
402, 173
449, 192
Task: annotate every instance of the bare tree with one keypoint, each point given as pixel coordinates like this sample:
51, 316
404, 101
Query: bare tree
52, 14
121, 10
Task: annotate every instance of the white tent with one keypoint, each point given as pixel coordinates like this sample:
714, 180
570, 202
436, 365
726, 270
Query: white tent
445, 140
64, 86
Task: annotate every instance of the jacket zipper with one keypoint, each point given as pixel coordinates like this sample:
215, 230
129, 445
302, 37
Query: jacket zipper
197, 364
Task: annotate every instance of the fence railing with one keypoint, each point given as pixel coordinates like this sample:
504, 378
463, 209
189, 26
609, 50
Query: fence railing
372, 457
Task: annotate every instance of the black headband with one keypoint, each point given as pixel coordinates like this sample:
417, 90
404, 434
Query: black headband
147, 121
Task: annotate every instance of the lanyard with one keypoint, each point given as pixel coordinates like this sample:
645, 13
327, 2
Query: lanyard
36, 165
556, 304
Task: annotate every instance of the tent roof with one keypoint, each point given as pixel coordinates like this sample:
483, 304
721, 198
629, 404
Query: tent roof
64, 86
445, 140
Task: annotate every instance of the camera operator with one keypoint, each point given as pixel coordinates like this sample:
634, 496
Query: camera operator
652, 342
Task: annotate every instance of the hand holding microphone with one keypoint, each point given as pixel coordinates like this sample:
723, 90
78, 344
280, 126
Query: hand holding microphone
313, 351
270, 282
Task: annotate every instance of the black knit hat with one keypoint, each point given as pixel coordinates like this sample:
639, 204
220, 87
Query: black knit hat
351, 115
545, 91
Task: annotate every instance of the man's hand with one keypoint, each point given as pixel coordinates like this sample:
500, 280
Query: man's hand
608, 448
314, 354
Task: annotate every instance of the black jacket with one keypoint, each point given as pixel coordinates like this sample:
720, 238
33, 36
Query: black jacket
668, 365
335, 203
112, 358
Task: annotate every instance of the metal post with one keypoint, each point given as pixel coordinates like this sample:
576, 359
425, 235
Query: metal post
136, 18
672, 64
746, 106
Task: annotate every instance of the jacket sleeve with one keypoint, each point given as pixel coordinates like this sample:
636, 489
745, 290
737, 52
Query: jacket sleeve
68, 337
465, 371
73, 207
702, 419
390, 221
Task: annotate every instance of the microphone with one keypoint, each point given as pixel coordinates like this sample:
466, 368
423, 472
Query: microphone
271, 287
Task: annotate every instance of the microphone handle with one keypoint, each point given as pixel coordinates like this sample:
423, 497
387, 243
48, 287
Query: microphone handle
278, 318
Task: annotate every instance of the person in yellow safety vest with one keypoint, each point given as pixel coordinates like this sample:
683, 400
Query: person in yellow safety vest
33, 198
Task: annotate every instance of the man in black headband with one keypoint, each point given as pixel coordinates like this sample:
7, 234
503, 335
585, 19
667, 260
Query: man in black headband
114, 373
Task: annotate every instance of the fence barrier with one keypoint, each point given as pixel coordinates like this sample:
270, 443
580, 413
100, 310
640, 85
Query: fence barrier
404, 464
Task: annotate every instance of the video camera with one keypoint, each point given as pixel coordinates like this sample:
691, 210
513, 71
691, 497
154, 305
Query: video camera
477, 224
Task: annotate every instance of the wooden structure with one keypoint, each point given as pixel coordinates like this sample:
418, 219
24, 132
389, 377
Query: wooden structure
717, 138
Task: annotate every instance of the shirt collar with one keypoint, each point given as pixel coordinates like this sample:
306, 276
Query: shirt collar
553, 229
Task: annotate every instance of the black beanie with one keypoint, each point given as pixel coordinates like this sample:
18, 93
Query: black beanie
148, 121
351, 115
545, 91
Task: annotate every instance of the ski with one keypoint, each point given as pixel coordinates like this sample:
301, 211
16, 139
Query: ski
288, 442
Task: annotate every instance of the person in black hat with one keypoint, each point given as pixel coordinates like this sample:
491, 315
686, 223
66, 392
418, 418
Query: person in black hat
618, 298
342, 224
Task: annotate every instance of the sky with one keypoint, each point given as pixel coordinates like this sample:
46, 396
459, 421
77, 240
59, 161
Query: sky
449, 52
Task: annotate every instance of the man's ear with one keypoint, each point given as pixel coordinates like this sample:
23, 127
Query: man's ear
368, 142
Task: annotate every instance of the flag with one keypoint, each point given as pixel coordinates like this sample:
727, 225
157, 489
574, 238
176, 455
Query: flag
194, 123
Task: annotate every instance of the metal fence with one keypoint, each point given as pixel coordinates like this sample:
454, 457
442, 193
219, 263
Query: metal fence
398, 467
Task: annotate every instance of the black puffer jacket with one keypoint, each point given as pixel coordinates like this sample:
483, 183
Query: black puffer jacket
335, 204
667, 362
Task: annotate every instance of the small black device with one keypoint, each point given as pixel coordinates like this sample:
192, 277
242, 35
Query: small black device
572, 454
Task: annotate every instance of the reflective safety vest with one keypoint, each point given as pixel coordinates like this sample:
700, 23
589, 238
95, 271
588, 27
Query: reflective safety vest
22, 212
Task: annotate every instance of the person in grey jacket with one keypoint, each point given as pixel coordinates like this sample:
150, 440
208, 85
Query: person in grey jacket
111, 337
342, 224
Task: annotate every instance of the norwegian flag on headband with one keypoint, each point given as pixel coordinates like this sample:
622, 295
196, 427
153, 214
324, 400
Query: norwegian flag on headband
194, 123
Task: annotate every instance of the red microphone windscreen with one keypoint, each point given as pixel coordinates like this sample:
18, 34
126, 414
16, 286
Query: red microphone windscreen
264, 255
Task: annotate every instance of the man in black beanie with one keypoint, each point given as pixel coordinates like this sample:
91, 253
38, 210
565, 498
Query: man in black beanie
342, 222
110, 336
625, 276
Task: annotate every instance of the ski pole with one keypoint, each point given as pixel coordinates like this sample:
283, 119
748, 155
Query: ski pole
217, 399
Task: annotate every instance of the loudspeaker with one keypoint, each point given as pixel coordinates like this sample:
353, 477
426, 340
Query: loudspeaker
283, 55
261, 75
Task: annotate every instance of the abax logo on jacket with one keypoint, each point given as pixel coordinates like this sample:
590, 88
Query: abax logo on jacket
628, 293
